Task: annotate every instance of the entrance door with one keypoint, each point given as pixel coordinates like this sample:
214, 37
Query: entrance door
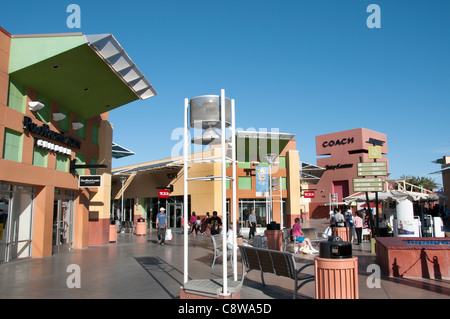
62, 224
174, 214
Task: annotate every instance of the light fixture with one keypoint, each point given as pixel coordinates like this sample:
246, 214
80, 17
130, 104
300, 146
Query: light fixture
35, 106
77, 125
58, 116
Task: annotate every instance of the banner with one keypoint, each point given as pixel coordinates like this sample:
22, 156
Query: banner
262, 180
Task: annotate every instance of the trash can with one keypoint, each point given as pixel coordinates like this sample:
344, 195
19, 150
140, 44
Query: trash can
274, 239
342, 232
112, 233
141, 228
336, 270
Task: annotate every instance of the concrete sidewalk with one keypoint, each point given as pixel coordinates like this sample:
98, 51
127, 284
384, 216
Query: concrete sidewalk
136, 267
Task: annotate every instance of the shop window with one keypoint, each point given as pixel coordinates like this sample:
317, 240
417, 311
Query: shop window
93, 171
95, 134
62, 163
40, 157
80, 161
245, 182
12, 145
283, 183
43, 114
245, 165
81, 133
64, 124
282, 162
17, 96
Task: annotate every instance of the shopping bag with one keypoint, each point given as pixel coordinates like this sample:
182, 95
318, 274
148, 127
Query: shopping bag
327, 232
169, 236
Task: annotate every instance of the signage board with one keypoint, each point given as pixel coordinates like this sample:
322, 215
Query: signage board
262, 180
368, 185
309, 194
372, 169
90, 181
374, 152
163, 193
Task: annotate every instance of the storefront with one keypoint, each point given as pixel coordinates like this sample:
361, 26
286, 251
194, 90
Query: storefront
143, 182
52, 131
340, 154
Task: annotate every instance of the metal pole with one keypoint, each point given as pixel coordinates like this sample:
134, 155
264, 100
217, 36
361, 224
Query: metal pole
185, 190
281, 204
224, 198
233, 165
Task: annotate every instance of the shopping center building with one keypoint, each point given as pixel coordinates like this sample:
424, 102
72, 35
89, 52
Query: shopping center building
141, 190
338, 153
55, 94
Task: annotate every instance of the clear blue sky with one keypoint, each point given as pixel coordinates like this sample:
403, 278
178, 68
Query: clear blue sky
302, 67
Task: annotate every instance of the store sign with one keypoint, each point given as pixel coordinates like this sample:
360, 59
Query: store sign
163, 193
44, 131
52, 147
337, 142
90, 181
309, 194
338, 166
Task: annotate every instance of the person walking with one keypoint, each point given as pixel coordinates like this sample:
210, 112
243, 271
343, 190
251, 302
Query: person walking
161, 224
358, 224
252, 224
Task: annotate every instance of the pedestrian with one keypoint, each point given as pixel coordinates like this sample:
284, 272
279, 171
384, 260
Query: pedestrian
252, 224
193, 222
358, 224
339, 218
215, 227
198, 225
216, 218
161, 224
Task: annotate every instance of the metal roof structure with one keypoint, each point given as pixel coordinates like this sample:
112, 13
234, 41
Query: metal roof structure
120, 151
88, 75
310, 173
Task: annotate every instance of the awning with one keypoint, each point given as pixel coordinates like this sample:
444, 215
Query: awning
311, 173
393, 195
149, 167
120, 151
88, 75
253, 145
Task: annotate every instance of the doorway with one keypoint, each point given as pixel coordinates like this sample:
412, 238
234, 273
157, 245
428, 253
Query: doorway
62, 224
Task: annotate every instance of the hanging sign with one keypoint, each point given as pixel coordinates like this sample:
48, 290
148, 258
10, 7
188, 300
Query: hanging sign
262, 180
309, 194
90, 181
163, 193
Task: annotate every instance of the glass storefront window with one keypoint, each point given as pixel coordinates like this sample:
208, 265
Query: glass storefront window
245, 208
16, 211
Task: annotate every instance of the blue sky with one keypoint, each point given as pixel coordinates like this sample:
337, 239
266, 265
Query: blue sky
301, 67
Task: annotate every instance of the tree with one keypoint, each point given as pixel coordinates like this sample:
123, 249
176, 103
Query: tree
425, 182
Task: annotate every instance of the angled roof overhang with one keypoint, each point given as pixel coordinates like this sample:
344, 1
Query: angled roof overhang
120, 151
311, 173
253, 145
88, 75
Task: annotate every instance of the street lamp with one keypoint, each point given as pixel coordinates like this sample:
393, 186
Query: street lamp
270, 158
122, 180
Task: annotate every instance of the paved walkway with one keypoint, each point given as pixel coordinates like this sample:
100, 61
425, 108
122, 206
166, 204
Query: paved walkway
136, 267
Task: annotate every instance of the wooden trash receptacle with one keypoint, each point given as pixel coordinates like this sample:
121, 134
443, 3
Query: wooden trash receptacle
336, 278
112, 233
343, 232
141, 228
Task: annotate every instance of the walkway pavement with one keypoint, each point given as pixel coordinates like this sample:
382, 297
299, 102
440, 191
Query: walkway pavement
136, 267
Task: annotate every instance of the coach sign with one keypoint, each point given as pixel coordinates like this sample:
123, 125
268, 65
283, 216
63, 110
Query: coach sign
90, 181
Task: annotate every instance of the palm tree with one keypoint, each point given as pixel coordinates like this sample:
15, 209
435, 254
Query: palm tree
424, 182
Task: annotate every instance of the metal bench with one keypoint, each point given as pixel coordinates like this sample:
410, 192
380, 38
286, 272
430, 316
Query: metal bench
311, 233
279, 263
218, 248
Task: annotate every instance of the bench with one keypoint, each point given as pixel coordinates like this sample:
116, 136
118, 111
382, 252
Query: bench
311, 233
218, 248
277, 262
